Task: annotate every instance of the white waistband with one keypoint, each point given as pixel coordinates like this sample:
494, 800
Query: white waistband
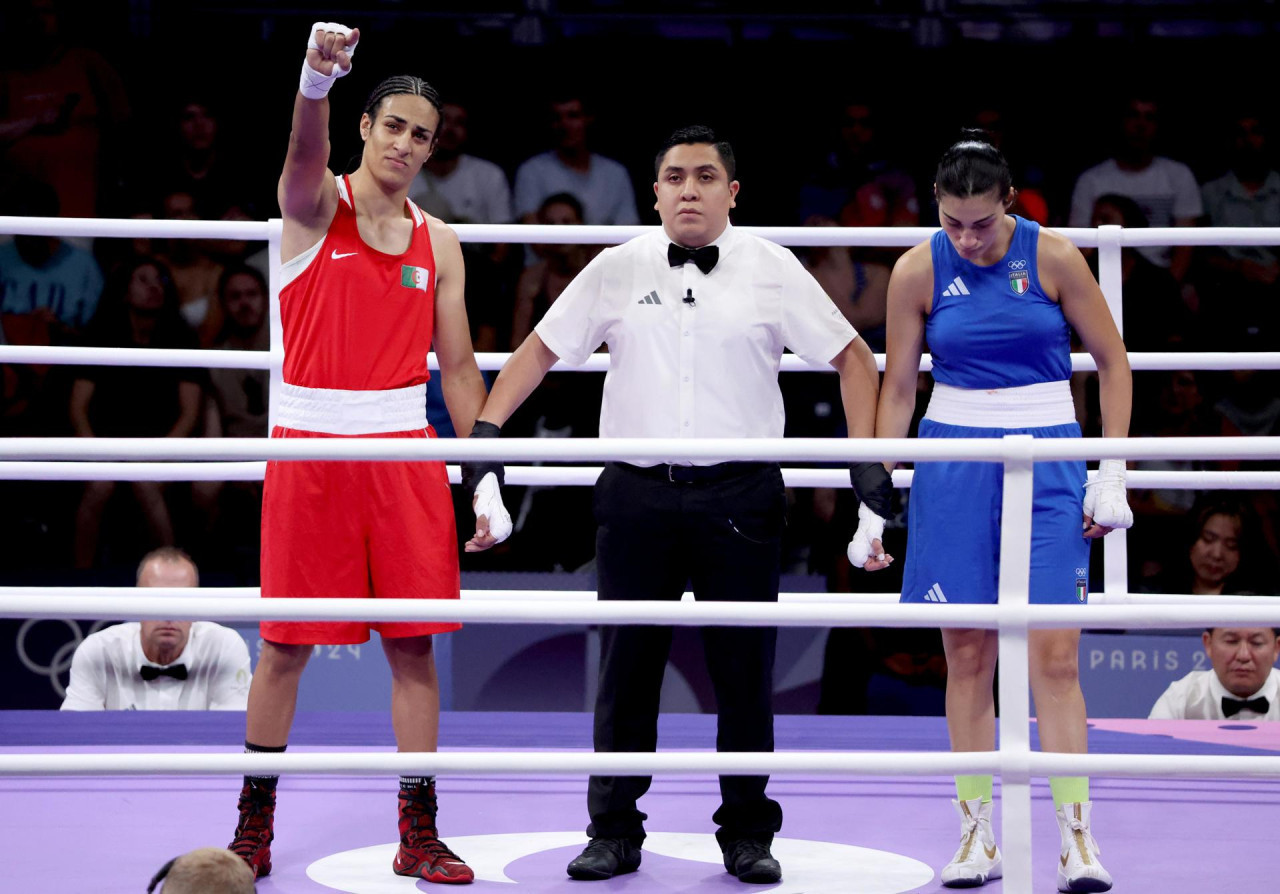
333, 411
1025, 406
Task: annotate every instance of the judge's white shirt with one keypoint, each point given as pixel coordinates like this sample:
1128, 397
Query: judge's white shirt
106, 672
1198, 696
702, 368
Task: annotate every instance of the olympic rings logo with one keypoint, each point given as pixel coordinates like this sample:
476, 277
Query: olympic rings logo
1017, 265
60, 663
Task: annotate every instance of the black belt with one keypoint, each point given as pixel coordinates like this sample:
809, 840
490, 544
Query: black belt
695, 474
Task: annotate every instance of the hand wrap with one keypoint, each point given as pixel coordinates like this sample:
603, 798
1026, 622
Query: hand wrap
873, 487
1106, 499
488, 502
314, 84
870, 527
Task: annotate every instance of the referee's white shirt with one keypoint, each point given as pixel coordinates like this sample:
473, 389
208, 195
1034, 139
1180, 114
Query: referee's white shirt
1198, 696
106, 672
703, 370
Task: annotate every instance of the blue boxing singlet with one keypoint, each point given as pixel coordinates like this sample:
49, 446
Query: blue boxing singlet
1001, 361
994, 327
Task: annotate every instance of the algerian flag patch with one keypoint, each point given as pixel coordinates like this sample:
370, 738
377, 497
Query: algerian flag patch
414, 277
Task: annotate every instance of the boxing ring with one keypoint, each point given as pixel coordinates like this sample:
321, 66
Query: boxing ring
864, 797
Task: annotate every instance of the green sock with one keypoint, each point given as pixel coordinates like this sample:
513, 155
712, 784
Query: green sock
1069, 790
970, 787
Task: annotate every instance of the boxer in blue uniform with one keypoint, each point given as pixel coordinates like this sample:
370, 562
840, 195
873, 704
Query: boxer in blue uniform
996, 298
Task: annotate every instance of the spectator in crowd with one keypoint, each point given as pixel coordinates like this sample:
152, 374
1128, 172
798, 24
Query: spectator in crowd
237, 400
458, 187
59, 106
1242, 278
43, 277
1243, 685
240, 395
857, 282
49, 290
139, 309
855, 184
161, 665
540, 284
195, 272
206, 870
197, 161
1155, 316
1249, 407
1164, 189
1221, 556
1167, 405
554, 525
601, 184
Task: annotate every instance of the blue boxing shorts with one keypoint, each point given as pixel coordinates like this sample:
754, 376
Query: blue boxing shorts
953, 525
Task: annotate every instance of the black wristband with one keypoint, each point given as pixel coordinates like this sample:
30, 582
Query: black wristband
474, 470
873, 485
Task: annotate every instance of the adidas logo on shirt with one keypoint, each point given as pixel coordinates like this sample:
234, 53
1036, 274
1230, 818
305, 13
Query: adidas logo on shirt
935, 592
956, 288
651, 298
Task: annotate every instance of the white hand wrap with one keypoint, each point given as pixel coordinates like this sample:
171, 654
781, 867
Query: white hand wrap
488, 502
313, 84
1106, 500
870, 527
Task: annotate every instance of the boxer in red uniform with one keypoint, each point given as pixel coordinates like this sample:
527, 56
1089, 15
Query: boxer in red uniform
369, 284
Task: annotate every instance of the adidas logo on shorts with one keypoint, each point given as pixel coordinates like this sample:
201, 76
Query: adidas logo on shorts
935, 594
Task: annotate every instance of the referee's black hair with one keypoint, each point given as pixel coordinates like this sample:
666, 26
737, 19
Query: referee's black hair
696, 135
403, 84
973, 167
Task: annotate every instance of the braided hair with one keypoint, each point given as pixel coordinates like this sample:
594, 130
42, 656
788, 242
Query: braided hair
402, 84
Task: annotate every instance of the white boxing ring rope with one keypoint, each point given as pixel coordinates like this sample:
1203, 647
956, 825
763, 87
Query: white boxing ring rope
1012, 616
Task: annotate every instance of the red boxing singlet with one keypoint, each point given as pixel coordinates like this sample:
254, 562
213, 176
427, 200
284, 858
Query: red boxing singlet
354, 317
357, 320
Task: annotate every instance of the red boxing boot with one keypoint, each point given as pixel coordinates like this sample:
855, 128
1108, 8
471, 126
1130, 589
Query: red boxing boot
422, 854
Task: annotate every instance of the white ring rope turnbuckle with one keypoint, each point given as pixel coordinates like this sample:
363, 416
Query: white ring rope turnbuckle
241, 459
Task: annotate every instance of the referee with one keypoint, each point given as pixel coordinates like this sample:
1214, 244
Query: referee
696, 317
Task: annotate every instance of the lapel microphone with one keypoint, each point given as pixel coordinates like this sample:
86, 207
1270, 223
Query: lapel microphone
688, 299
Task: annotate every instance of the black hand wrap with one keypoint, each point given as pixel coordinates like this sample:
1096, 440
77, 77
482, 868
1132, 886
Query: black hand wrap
873, 486
473, 471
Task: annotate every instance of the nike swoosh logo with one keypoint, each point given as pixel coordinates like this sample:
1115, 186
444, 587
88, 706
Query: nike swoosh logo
991, 852
338, 257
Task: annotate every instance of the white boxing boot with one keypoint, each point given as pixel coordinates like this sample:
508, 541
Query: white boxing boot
1078, 867
977, 860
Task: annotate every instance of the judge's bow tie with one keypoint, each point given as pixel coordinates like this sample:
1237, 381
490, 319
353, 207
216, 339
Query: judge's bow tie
150, 671
705, 257
1233, 706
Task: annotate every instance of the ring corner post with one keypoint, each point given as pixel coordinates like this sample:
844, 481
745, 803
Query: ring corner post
1015, 701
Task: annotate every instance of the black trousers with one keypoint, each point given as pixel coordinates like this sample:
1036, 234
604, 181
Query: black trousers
721, 533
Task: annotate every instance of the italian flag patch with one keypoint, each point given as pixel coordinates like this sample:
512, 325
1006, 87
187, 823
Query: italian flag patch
1019, 281
414, 277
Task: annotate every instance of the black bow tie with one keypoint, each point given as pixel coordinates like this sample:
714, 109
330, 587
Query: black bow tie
705, 257
1233, 706
150, 671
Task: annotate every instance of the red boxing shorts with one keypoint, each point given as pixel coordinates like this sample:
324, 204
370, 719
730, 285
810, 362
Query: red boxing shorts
381, 530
